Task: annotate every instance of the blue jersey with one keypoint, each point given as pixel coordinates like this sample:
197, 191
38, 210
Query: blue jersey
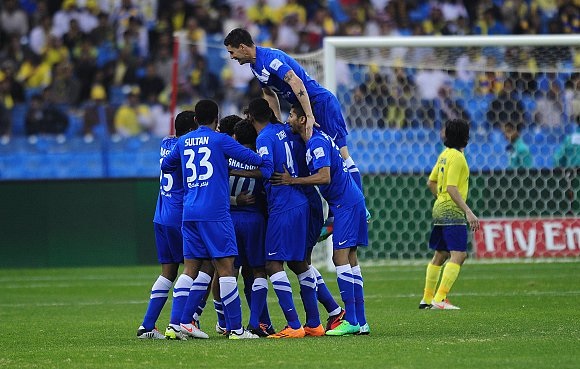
299, 150
203, 157
169, 209
321, 152
275, 149
272, 65
253, 186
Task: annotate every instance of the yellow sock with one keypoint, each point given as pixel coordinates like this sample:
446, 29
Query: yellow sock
431, 279
449, 276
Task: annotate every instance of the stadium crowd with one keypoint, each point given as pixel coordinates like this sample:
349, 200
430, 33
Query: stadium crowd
65, 63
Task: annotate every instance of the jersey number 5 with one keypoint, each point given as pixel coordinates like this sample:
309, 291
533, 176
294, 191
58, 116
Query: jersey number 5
203, 163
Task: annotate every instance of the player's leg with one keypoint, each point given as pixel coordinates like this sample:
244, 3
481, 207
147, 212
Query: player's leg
315, 223
220, 240
455, 237
277, 245
259, 304
433, 272
351, 230
220, 327
359, 298
170, 255
307, 281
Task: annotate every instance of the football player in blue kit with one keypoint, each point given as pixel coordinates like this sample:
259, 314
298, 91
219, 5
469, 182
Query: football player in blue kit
168, 238
329, 171
208, 230
248, 208
288, 214
281, 76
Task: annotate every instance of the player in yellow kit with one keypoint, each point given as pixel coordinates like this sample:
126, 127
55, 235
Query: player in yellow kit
449, 183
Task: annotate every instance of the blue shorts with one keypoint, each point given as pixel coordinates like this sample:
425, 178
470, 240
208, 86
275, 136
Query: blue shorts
209, 240
449, 238
350, 226
327, 113
169, 243
315, 220
250, 231
286, 234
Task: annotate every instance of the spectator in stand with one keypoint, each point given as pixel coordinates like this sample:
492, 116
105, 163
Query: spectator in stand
14, 91
205, 83
151, 84
572, 97
39, 35
73, 38
568, 153
13, 20
6, 103
518, 150
62, 18
132, 118
87, 16
96, 110
55, 52
34, 73
549, 111
65, 87
44, 117
506, 107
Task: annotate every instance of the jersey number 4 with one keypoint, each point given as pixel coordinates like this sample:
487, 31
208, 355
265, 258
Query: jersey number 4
203, 163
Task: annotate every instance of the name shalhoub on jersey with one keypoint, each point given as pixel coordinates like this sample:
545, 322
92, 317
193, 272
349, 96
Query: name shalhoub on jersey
197, 141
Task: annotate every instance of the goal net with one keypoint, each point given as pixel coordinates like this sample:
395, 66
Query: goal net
521, 96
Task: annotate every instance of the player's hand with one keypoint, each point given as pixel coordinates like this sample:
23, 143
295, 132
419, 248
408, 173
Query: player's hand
310, 123
245, 198
472, 221
281, 178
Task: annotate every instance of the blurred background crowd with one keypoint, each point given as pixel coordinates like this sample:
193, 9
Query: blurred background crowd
67, 66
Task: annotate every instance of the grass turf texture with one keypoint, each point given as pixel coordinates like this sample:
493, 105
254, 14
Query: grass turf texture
513, 316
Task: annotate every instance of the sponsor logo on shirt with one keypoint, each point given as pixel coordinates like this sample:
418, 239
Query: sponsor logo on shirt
275, 64
318, 152
263, 151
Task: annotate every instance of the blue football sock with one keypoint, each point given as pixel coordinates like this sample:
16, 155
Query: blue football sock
346, 287
359, 298
283, 290
309, 300
219, 309
196, 296
231, 301
159, 293
180, 294
259, 296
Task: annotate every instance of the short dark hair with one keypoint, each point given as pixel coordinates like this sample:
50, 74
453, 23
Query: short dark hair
185, 122
456, 133
227, 124
260, 110
238, 37
206, 112
299, 110
245, 133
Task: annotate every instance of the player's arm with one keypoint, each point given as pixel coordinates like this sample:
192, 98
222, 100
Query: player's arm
432, 187
454, 170
432, 181
456, 197
265, 149
272, 99
321, 177
299, 90
172, 161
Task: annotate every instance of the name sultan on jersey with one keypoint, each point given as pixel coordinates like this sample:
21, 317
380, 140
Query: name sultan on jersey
195, 141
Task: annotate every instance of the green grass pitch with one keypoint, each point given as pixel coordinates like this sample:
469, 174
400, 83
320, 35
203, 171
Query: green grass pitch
512, 316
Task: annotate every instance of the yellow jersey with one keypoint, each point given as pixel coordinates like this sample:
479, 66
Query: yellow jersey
450, 170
